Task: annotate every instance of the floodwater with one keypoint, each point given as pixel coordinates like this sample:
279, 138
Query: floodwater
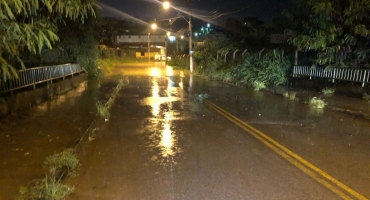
162, 143
48, 128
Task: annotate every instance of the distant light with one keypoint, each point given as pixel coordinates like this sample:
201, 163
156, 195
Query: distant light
182, 37
168, 34
196, 34
166, 5
155, 72
169, 71
208, 25
202, 29
153, 26
172, 38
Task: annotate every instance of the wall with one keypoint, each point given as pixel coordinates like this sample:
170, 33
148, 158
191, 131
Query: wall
22, 100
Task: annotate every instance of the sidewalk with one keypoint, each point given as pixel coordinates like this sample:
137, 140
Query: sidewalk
349, 105
49, 128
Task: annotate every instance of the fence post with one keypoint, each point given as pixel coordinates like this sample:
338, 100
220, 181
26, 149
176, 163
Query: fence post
226, 55
364, 78
70, 67
234, 54
245, 51
259, 54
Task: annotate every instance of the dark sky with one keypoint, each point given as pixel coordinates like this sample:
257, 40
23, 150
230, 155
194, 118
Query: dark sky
208, 10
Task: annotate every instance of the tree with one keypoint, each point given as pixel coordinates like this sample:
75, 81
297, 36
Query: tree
338, 30
31, 25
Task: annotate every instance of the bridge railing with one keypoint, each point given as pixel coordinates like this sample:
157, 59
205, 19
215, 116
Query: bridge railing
345, 74
37, 75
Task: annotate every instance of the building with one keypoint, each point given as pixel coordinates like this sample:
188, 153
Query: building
138, 44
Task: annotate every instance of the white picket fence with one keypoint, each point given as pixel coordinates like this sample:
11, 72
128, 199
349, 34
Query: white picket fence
344, 74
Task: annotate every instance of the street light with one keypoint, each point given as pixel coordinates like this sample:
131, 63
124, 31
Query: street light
166, 42
166, 5
153, 26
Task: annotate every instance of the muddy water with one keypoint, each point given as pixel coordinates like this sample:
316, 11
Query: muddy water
161, 143
50, 127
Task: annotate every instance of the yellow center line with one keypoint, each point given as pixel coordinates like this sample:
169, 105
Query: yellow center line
291, 157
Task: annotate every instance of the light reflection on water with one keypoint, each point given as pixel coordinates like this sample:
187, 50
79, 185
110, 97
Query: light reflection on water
68, 97
163, 112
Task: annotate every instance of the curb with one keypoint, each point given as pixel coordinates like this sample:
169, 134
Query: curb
84, 137
355, 113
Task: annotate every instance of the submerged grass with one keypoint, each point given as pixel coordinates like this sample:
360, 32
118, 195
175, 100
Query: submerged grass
258, 85
102, 110
317, 103
328, 91
51, 187
64, 160
290, 96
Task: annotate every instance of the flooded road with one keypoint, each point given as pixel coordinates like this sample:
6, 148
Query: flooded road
48, 128
162, 143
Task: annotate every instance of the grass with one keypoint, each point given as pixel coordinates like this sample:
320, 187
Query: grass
51, 187
258, 85
366, 97
48, 188
102, 110
291, 96
328, 91
317, 103
64, 160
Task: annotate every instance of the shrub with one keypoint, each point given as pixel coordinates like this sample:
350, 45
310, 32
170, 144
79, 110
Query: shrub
327, 91
47, 189
257, 85
290, 95
179, 62
317, 102
64, 160
51, 187
102, 110
271, 69
366, 97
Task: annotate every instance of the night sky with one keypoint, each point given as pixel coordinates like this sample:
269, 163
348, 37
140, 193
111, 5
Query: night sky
207, 10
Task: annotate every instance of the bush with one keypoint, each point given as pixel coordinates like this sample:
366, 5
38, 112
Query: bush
179, 62
270, 69
257, 85
290, 95
327, 91
64, 160
317, 103
51, 187
45, 189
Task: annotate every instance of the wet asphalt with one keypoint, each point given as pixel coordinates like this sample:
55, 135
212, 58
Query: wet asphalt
161, 142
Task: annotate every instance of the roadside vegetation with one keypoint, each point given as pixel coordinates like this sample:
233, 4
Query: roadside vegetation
257, 70
59, 166
291, 96
317, 103
40, 25
328, 91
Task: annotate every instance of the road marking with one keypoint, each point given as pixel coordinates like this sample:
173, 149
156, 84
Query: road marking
291, 157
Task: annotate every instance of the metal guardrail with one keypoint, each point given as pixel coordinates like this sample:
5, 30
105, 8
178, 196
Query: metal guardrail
345, 74
34, 76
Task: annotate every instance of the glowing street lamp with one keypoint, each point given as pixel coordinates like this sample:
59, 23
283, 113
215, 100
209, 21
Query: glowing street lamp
153, 26
166, 39
166, 5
